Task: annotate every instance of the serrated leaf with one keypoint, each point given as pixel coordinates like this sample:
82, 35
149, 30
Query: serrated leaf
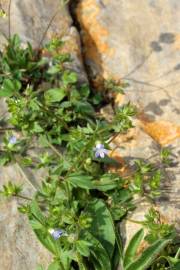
69, 77
148, 256
84, 107
36, 212
54, 95
36, 225
9, 87
132, 247
105, 184
47, 241
83, 247
35, 217
53, 70
15, 40
37, 128
82, 181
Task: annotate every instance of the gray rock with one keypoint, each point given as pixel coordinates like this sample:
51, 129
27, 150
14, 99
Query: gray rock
138, 42
19, 248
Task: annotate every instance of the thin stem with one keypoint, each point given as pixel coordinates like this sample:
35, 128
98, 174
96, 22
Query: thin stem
177, 254
25, 175
61, 265
113, 138
135, 221
113, 150
139, 200
5, 74
22, 197
55, 150
68, 193
8, 128
49, 24
9, 20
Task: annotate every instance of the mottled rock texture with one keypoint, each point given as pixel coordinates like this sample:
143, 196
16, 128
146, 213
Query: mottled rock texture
139, 42
19, 248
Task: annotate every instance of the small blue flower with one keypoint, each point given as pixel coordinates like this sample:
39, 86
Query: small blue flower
100, 151
12, 140
56, 233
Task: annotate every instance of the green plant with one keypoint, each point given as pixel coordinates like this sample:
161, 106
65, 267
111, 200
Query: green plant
162, 252
154, 257
75, 213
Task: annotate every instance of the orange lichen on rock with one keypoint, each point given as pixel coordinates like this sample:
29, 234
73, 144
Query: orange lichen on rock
177, 42
119, 99
161, 131
122, 169
94, 34
129, 139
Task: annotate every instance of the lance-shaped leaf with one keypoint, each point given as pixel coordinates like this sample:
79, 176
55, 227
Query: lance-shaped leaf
148, 256
132, 247
102, 226
99, 255
82, 181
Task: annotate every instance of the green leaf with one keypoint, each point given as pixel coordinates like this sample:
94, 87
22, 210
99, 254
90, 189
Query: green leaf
47, 241
35, 224
69, 77
9, 87
132, 247
82, 181
100, 256
83, 247
53, 70
148, 256
36, 212
102, 226
106, 182
119, 242
97, 98
104, 186
176, 266
84, 90
54, 95
84, 107
37, 128
54, 266
4, 158
66, 258
16, 42
44, 237
173, 260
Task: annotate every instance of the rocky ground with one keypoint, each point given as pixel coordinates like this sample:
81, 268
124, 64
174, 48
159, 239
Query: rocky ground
137, 41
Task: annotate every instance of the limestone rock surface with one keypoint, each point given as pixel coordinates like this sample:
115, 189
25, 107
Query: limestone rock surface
139, 42
19, 248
